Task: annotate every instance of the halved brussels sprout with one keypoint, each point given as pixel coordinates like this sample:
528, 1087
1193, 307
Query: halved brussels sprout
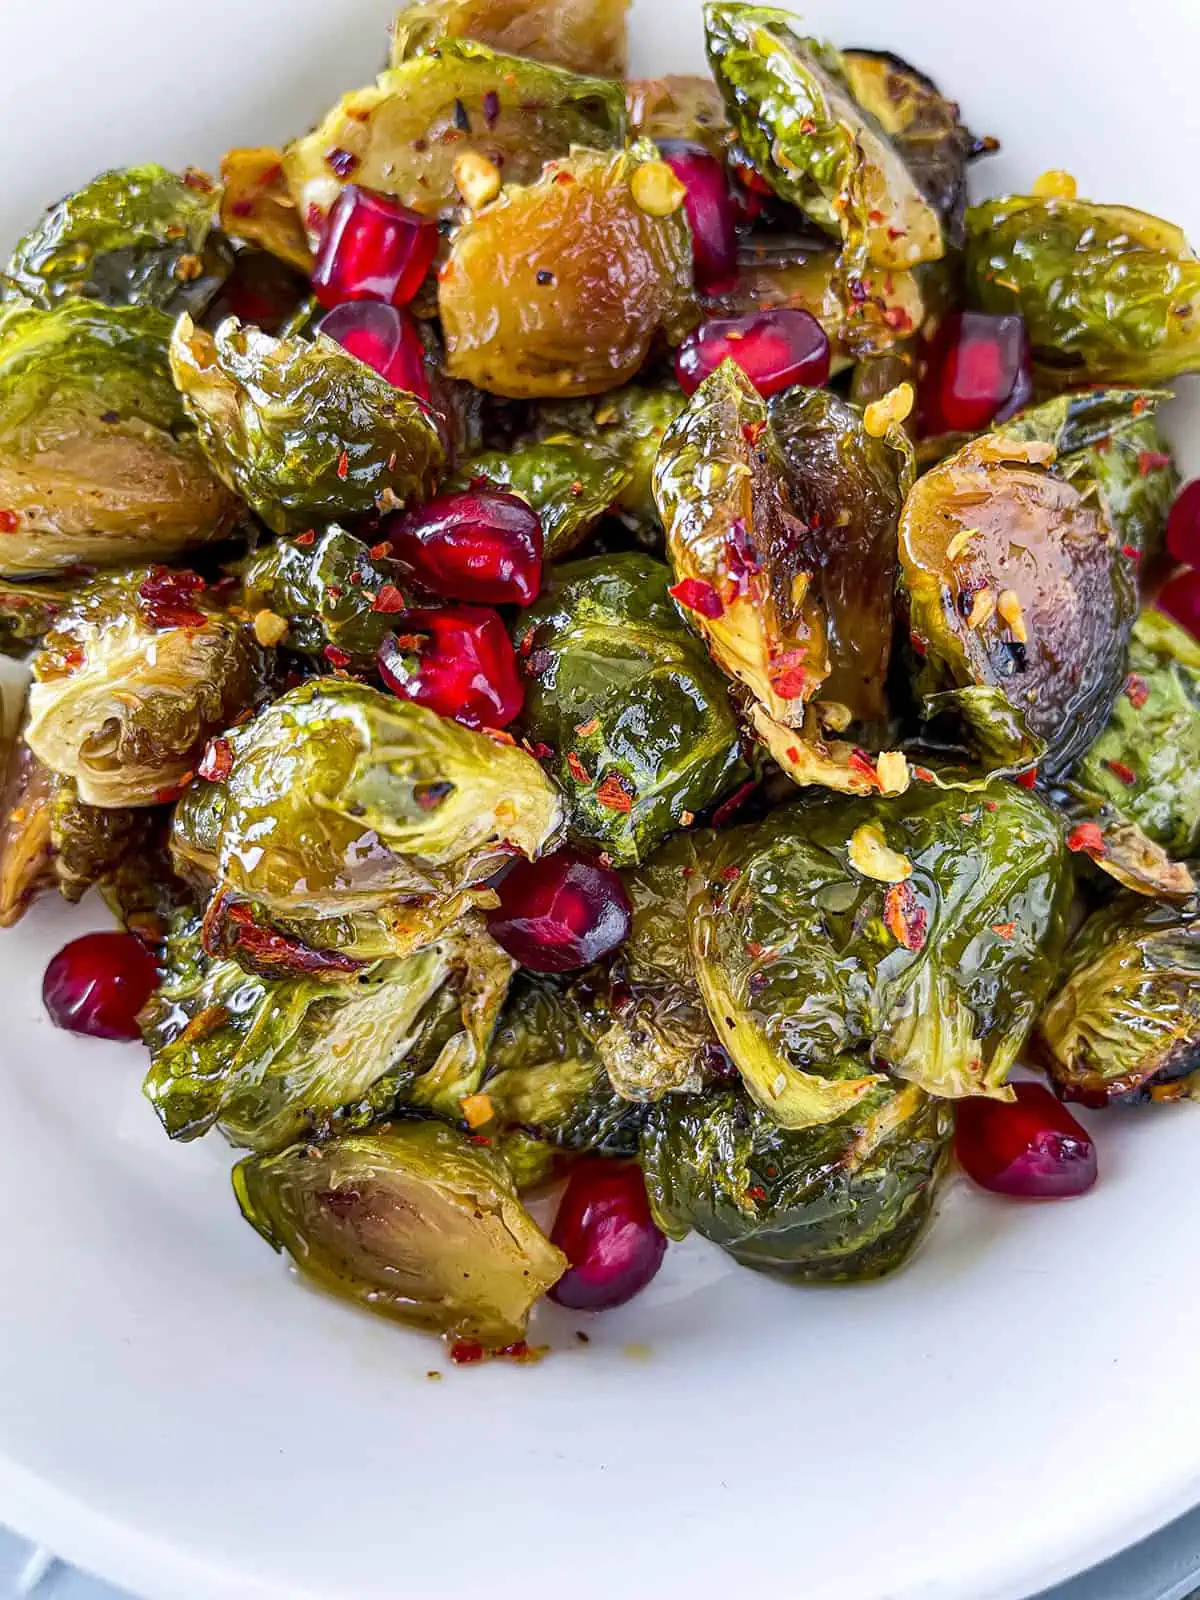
628, 423
403, 135
839, 1203
677, 106
137, 237
339, 798
1126, 1022
302, 431
1018, 598
410, 1221
257, 208
274, 1059
27, 613
788, 100
96, 467
918, 934
639, 724
560, 287
569, 481
583, 35
328, 593
131, 682
1108, 294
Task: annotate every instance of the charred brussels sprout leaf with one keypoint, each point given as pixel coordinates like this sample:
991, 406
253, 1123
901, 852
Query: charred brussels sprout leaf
841, 1202
138, 237
582, 35
410, 1221
677, 106
340, 798
95, 462
623, 693
917, 932
559, 288
328, 593
128, 687
628, 423
567, 480
257, 208
1126, 1022
1146, 763
403, 135
1108, 294
789, 102
1019, 599
302, 431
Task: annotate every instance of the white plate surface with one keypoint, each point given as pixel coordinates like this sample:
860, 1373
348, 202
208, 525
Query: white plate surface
177, 1415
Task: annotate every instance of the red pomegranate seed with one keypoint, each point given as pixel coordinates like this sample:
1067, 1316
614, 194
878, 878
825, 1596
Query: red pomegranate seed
372, 248
96, 985
560, 913
775, 349
977, 370
1183, 525
605, 1230
479, 544
1180, 598
385, 338
710, 211
460, 664
1031, 1147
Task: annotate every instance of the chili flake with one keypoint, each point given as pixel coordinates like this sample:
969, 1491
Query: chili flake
217, 761
576, 768
1087, 836
730, 874
1004, 930
1119, 770
1152, 461
697, 595
905, 917
613, 794
1027, 780
757, 1193
307, 537
1137, 690
378, 552
389, 600
9, 522
586, 729
343, 466
336, 656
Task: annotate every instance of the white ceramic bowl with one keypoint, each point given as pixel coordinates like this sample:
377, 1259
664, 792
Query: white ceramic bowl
180, 1417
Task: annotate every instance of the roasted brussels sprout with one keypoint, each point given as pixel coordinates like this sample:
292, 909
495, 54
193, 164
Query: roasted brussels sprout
569, 481
257, 208
302, 431
919, 933
559, 288
1109, 295
1126, 1022
628, 423
638, 721
340, 799
677, 106
410, 1221
788, 101
27, 613
403, 135
96, 467
275, 1059
131, 682
582, 35
338, 601
1018, 597
840, 1202
139, 237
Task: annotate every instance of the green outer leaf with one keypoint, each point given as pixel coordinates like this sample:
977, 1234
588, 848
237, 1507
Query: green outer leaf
1108, 294
569, 482
841, 1202
136, 236
605, 646
628, 423
302, 431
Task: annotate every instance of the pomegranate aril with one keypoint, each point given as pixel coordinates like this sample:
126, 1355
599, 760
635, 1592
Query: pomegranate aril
1180, 598
1031, 1147
605, 1230
775, 349
459, 662
560, 913
482, 545
976, 370
385, 338
1183, 525
97, 984
710, 211
372, 248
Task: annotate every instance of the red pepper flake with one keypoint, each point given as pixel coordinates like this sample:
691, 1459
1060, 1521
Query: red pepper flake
697, 595
586, 729
526, 645
306, 538
217, 762
918, 645
906, 918
564, 177
1028, 780
1152, 461
875, 216
792, 753
757, 1193
788, 675
897, 318
1131, 552
336, 656
736, 801
754, 949
752, 432
343, 466
861, 763
1004, 930
730, 874
478, 1138
1137, 690
991, 805
410, 641
1139, 405
539, 751
380, 552
9, 522
1119, 770
341, 162
613, 794
576, 768
197, 180
923, 775
464, 1352
389, 599
1087, 836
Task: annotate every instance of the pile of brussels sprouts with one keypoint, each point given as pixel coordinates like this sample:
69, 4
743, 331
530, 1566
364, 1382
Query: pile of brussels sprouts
847, 696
